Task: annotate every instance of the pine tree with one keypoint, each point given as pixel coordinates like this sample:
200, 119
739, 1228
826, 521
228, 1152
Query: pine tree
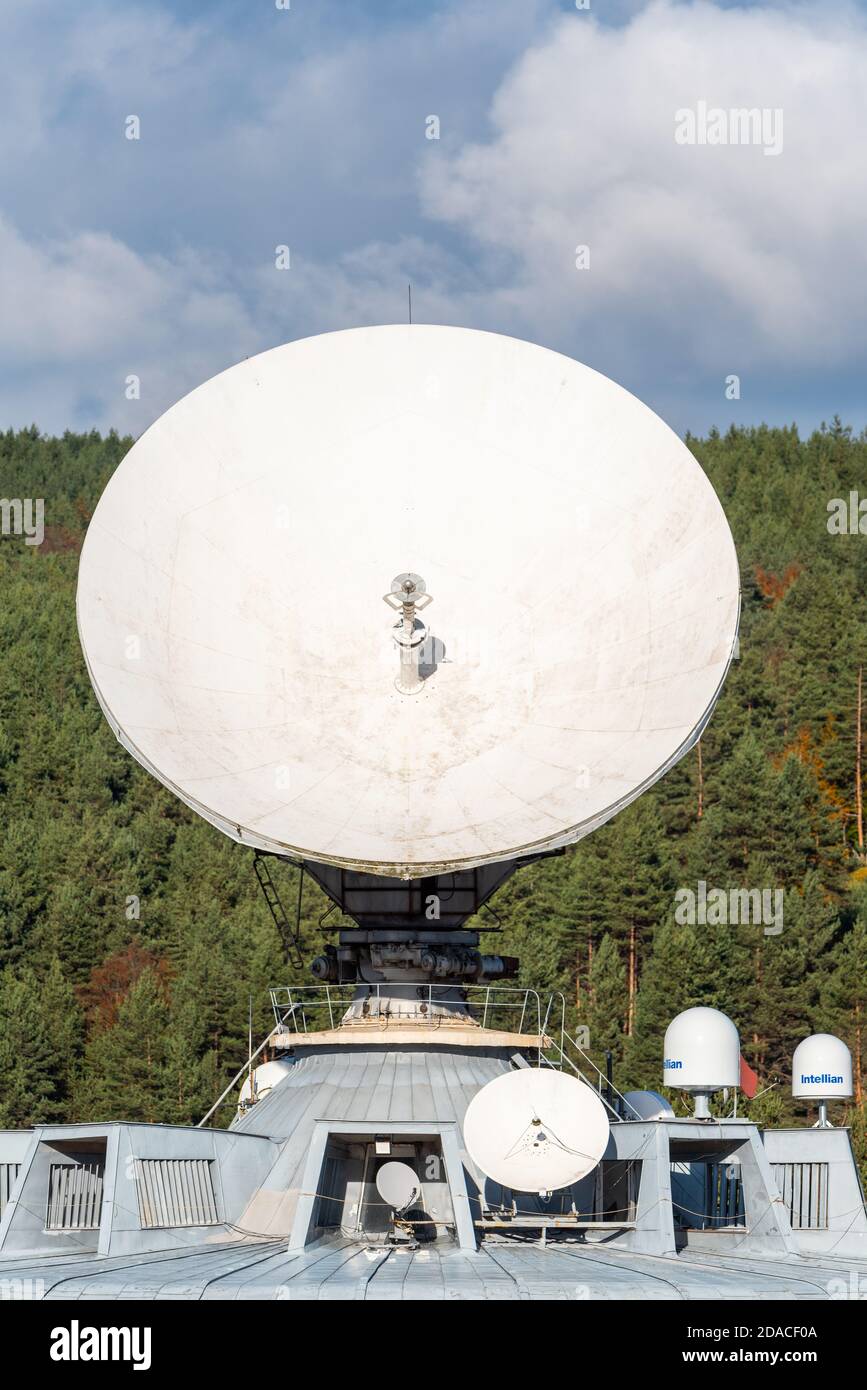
28, 1051
83, 828
66, 1023
189, 1086
590, 907
668, 987
606, 1004
790, 977
843, 1005
125, 1077
643, 878
532, 909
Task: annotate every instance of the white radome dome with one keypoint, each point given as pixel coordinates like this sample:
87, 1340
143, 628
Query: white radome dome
646, 1105
702, 1051
822, 1069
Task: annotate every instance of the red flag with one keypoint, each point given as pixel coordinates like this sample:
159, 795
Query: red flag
749, 1080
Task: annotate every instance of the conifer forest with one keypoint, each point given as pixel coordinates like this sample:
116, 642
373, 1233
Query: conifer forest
133, 935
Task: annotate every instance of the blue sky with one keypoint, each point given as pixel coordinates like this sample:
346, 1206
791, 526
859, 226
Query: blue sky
307, 127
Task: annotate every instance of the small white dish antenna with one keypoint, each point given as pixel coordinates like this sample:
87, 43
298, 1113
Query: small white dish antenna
536, 1130
265, 1077
398, 1185
646, 1105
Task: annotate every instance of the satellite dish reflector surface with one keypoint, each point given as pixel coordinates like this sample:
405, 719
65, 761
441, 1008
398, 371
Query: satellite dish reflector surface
398, 1185
580, 585
536, 1130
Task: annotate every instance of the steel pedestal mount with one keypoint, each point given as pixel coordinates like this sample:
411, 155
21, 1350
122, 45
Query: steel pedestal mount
409, 933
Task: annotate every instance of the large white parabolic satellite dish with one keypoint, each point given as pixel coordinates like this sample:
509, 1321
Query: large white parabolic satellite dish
583, 580
536, 1130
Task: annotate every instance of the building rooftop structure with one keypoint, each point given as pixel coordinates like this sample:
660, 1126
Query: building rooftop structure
586, 597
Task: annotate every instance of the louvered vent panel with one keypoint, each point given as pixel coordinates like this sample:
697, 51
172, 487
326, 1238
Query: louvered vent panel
75, 1195
175, 1192
804, 1190
8, 1178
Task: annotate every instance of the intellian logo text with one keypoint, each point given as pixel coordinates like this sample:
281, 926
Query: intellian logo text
671, 1065
817, 1080
77, 1343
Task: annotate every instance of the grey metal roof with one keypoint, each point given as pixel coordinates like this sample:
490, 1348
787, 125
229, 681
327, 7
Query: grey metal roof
376, 1084
338, 1268
364, 1088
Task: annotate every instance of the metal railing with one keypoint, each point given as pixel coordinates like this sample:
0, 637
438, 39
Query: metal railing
602, 1084
316, 1008
245, 1068
300, 1009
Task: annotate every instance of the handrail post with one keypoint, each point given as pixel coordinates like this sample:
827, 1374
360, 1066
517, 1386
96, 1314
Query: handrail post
523, 1011
235, 1079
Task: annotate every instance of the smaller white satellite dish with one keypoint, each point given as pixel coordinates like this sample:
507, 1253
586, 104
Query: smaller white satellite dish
398, 1185
646, 1105
535, 1130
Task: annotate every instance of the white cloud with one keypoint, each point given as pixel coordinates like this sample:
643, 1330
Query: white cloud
156, 258
81, 315
703, 253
